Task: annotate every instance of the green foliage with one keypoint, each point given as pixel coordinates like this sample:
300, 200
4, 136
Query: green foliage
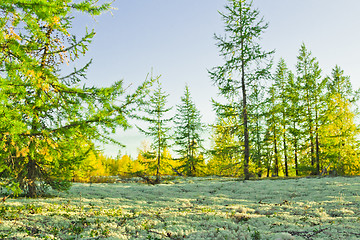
188, 128
227, 141
340, 153
155, 116
45, 115
245, 62
309, 78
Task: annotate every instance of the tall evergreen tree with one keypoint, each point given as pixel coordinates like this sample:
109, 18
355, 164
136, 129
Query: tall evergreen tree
45, 116
309, 74
188, 129
158, 130
273, 124
295, 113
281, 83
243, 60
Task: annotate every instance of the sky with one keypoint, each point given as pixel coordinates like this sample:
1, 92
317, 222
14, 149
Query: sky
175, 39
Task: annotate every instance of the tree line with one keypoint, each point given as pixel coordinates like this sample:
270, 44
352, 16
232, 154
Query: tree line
270, 123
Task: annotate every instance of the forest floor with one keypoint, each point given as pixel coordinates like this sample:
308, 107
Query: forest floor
191, 208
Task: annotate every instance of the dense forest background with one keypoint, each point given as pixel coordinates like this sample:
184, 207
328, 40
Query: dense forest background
270, 121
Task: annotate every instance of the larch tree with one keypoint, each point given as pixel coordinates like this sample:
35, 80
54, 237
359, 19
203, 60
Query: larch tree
340, 130
245, 61
187, 135
281, 82
257, 129
295, 114
227, 140
158, 130
309, 74
273, 124
45, 116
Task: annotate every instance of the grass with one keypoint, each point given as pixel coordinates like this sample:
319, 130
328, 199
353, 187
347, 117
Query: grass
191, 208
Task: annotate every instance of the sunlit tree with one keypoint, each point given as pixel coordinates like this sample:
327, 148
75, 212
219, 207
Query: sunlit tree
187, 135
227, 139
340, 132
245, 61
309, 77
158, 129
45, 115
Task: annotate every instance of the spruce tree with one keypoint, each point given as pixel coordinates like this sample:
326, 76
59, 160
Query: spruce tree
244, 61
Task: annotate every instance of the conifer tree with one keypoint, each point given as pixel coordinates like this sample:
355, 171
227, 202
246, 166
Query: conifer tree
281, 82
257, 124
158, 130
340, 131
309, 74
45, 116
227, 140
295, 114
187, 136
244, 61
273, 120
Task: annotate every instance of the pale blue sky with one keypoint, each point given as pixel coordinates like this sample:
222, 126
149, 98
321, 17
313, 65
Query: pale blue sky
175, 38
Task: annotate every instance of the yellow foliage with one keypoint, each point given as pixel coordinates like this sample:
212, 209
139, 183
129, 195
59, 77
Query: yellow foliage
91, 166
339, 144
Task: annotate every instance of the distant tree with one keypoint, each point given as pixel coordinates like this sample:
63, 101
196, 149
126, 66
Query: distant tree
45, 116
340, 144
273, 125
91, 166
296, 115
257, 103
309, 74
187, 135
244, 60
227, 140
155, 116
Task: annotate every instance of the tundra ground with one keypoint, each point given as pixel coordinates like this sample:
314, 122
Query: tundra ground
191, 208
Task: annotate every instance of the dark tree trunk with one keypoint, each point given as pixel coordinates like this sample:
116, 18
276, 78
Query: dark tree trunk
317, 154
285, 157
296, 154
276, 169
317, 141
31, 177
246, 131
296, 158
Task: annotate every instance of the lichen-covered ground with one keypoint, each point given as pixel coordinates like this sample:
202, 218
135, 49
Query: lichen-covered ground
191, 208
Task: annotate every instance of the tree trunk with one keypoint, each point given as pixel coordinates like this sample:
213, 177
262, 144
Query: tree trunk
259, 173
31, 178
317, 155
296, 158
312, 150
295, 154
317, 141
285, 157
276, 155
246, 131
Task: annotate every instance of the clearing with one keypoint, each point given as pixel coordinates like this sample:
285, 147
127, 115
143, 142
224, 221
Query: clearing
191, 208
